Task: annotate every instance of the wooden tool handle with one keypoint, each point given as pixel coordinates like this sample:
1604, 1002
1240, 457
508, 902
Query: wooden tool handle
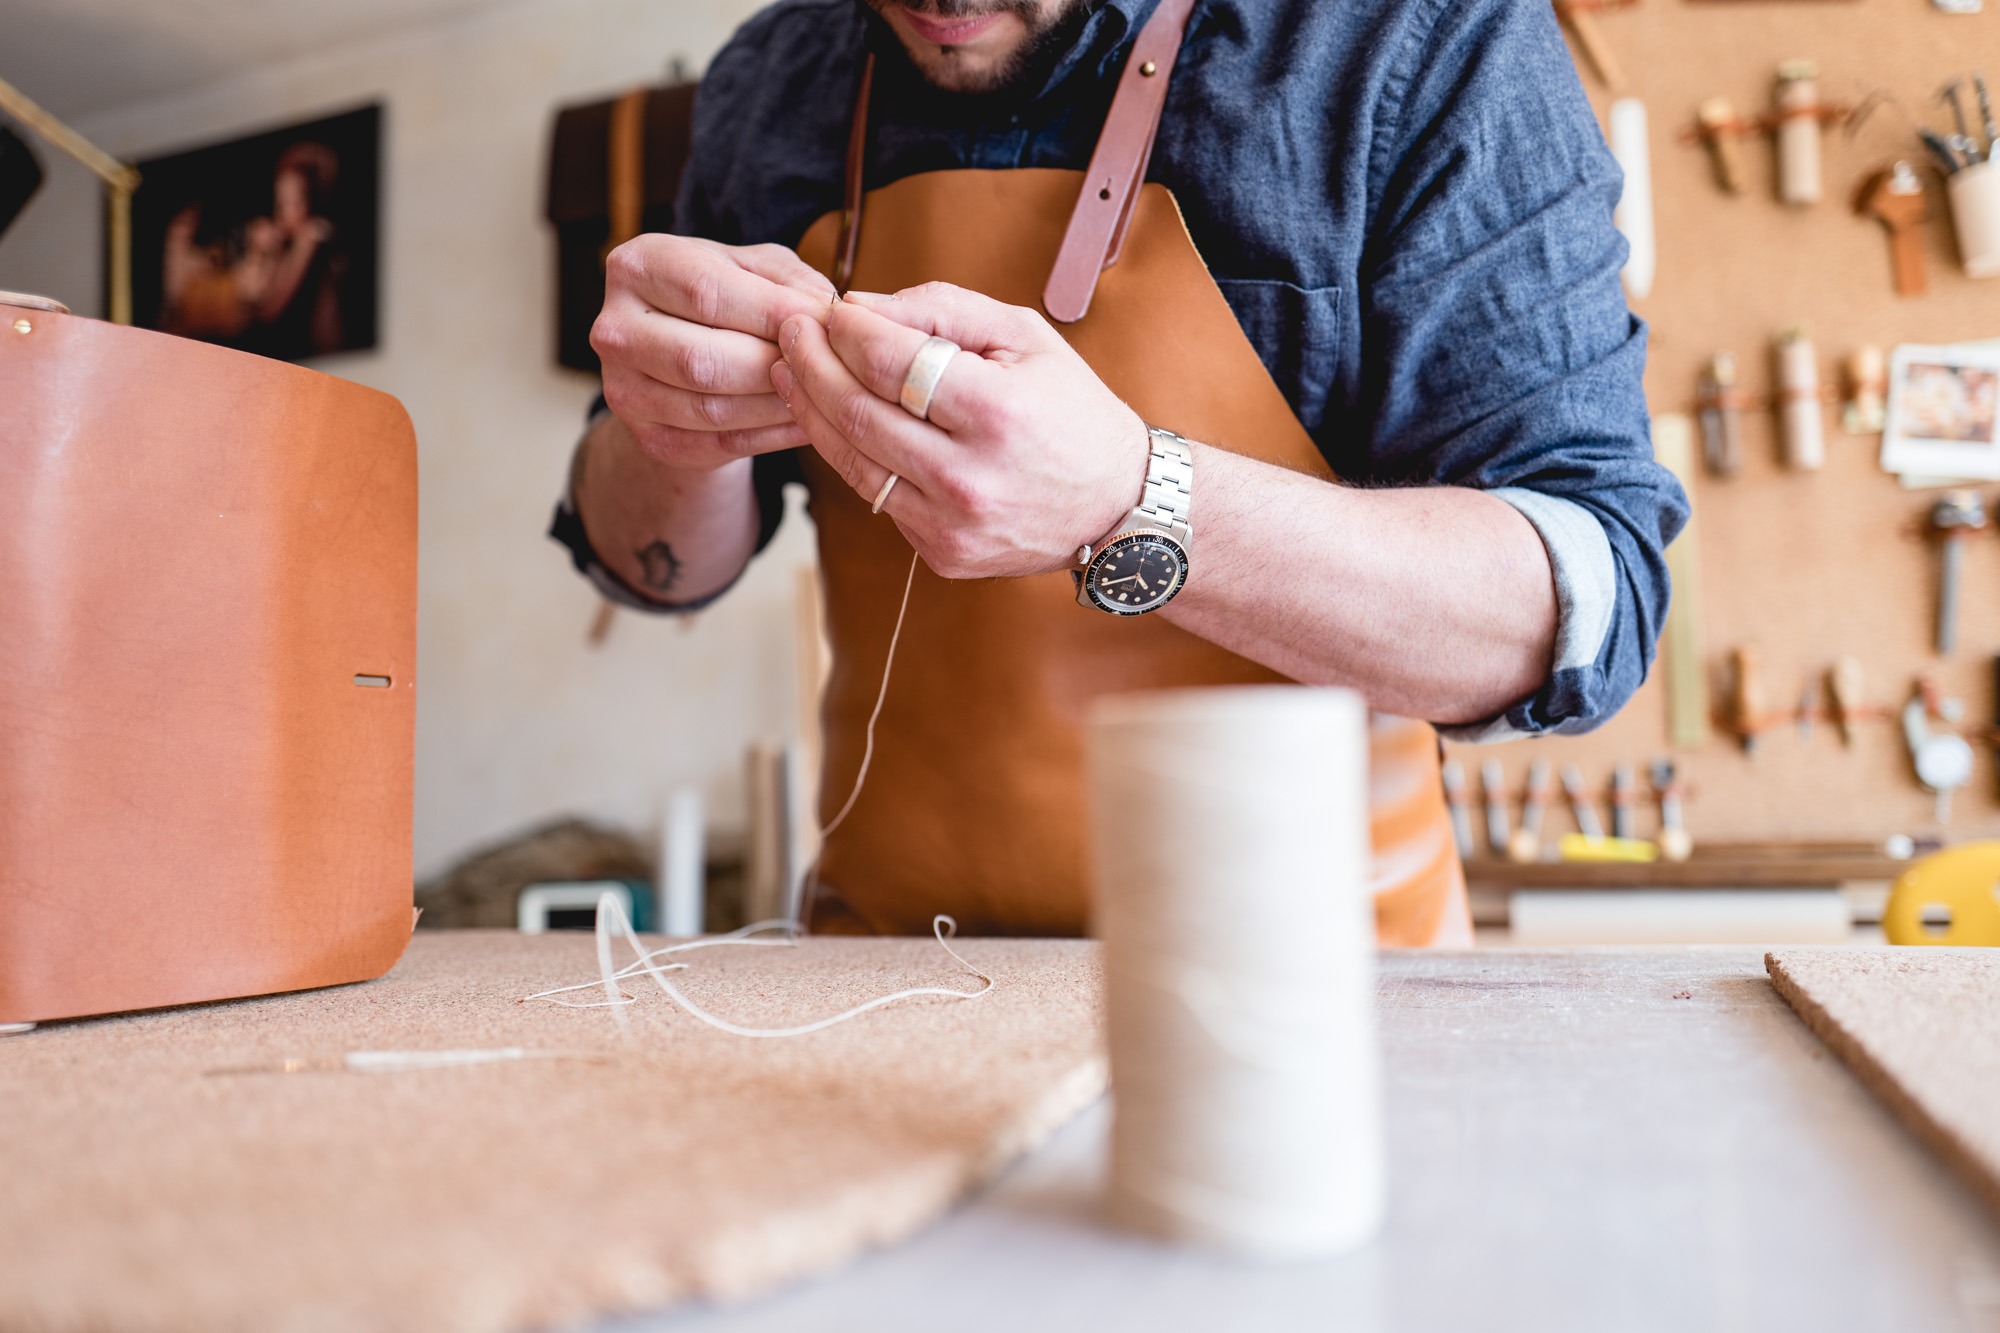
1590, 40
1906, 259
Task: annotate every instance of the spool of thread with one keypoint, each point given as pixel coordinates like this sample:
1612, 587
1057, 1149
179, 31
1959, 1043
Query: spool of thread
1798, 402
1230, 861
1799, 177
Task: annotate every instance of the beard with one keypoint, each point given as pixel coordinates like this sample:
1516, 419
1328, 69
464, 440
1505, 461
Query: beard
1051, 31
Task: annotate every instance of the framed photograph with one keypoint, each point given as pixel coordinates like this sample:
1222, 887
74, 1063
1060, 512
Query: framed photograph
1944, 413
266, 243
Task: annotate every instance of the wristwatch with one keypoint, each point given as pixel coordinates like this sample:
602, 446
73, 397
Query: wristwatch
1142, 563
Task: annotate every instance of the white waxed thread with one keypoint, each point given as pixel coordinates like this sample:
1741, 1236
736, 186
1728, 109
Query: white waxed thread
611, 918
1230, 849
868, 736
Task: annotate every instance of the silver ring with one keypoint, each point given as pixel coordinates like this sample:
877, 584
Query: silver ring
882, 496
926, 369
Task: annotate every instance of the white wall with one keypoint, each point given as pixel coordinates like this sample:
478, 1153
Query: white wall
518, 719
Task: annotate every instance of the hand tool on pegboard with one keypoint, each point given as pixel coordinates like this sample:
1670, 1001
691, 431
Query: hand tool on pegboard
1493, 786
1624, 797
1954, 518
1461, 812
1526, 844
1748, 716
1580, 807
1844, 686
1800, 402
1800, 117
1675, 844
1993, 732
1896, 198
1864, 410
1721, 129
1962, 143
1808, 707
1942, 758
1720, 407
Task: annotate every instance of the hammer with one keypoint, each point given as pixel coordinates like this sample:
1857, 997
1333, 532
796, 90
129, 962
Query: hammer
1954, 518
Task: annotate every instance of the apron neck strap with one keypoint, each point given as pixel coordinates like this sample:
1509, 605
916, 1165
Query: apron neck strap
1096, 233
857, 160
1117, 169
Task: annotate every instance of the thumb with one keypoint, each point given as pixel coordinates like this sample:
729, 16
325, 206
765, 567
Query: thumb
976, 323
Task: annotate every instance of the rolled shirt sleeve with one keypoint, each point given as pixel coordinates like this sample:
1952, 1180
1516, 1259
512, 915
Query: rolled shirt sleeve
1498, 351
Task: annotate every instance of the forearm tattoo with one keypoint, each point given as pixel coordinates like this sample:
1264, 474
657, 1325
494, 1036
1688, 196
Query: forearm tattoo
659, 567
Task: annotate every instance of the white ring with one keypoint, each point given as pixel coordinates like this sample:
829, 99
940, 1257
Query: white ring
926, 369
882, 496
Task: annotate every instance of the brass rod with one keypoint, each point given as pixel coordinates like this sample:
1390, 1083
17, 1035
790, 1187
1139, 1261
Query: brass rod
120, 181
118, 300
113, 172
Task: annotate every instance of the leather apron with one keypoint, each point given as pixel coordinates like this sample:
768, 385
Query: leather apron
974, 803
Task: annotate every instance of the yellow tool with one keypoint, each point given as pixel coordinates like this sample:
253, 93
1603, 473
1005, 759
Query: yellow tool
1583, 847
1952, 897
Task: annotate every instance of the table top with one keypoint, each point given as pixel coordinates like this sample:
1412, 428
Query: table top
1579, 1139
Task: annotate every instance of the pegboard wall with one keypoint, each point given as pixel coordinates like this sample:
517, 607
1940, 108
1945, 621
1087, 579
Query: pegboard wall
1806, 567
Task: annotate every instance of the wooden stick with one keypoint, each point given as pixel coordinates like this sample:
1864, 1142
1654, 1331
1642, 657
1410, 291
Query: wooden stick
1681, 653
1590, 40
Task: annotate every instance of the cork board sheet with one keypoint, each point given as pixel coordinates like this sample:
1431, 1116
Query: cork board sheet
1920, 1027
1806, 567
139, 1192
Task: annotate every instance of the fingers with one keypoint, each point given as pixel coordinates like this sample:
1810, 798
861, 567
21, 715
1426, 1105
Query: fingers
976, 323
782, 265
683, 354
853, 413
637, 397
710, 285
711, 449
864, 475
879, 352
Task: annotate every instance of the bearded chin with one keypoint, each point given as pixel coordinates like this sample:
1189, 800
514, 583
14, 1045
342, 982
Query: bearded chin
1050, 31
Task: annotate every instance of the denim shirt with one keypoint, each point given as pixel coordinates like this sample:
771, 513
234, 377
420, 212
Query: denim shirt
1407, 204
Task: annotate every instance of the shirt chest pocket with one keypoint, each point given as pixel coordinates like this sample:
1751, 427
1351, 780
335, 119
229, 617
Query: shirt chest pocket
1296, 330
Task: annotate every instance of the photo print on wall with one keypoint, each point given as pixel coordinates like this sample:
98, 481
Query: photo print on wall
266, 243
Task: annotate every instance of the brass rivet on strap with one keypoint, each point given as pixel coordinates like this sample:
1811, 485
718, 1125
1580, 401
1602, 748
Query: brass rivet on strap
1149, 69
23, 326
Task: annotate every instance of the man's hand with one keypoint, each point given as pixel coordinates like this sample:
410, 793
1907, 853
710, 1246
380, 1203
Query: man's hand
688, 336
1026, 455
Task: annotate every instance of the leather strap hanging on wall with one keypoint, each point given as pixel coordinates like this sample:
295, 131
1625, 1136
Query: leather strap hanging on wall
625, 166
614, 169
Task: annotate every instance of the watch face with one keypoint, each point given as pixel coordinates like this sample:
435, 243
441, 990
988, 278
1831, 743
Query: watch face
1136, 573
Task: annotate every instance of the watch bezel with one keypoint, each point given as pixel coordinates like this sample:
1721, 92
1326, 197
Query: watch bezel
1121, 541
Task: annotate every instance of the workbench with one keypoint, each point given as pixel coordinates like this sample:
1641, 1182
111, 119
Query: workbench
1582, 1139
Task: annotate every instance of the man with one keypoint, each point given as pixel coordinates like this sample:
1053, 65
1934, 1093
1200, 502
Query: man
1397, 268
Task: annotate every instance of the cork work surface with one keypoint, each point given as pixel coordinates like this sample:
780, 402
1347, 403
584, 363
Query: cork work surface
1922, 1029
140, 1192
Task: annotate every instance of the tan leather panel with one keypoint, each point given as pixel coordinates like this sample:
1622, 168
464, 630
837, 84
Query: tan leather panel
974, 805
199, 551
